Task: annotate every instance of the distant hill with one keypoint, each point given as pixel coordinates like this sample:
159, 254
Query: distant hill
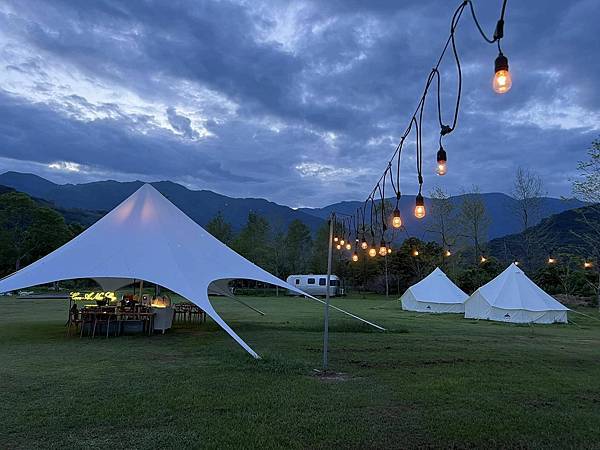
93, 199
87, 202
559, 233
500, 208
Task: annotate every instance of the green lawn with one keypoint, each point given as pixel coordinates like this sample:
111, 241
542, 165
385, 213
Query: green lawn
430, 381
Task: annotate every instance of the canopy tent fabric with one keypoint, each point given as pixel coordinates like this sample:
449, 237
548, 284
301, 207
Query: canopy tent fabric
435, 293
513, 297
148, 238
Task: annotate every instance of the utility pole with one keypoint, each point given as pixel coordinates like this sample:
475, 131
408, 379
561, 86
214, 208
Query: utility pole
326, 324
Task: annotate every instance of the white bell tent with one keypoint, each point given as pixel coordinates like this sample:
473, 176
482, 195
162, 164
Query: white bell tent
148, 238
513, 297
435, 293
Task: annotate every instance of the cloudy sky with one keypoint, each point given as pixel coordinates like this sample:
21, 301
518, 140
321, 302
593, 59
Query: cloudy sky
299, 102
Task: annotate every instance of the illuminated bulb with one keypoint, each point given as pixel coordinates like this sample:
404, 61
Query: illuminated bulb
442, 159
354, 257
348, 246
338, 246
335, 239
372, 252
382, 248
364, 245
551, 260
483, 259
396, 219
342, 241
516, 263
415, 252
502, 80
587, 265
419, 207
448, 253
389, 250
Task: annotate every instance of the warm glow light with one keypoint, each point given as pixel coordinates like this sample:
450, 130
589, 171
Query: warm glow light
372, 252
551, 260
483, 259
354, 257
415, 252
364, 245
396, 219
335, 239
419, 207
448, 253
389, 250
587, 265
338, 246
342, 241
348, 246
517, 263
502, 79
442, 161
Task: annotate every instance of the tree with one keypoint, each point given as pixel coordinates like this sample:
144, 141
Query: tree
220, 228
298, 244
473, 221
319, 249
528, 190
254, 243
443, 220
587, 187
28, 231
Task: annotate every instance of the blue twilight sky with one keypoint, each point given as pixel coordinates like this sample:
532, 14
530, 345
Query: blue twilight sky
300, 102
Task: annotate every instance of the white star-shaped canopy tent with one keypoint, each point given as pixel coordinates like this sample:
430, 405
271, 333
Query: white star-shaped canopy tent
148, 238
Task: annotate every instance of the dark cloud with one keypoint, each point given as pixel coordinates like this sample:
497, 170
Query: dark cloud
299, 102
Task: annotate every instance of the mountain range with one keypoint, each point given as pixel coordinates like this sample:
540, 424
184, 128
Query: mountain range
87, 202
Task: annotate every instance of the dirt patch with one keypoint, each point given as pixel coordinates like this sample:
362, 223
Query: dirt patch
330, 376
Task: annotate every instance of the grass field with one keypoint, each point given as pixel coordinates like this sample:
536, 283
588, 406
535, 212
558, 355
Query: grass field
429, 381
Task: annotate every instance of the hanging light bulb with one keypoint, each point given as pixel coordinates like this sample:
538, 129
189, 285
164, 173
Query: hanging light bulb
483, 259
448, 253
364, 244
502, 79
587, 265
415, 252
342, 241
348, 246
419, 207
551, 260
338, 246
335, 239
382, 248
396, 219
372, 251
441, 161
389, 250
517, 263
354, 257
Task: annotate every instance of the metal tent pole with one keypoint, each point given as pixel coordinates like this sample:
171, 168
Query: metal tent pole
326, 324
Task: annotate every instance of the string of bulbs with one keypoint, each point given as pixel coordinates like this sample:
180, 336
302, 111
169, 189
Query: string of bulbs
357, 225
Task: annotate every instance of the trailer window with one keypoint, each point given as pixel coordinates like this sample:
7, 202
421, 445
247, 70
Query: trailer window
297, 280
334, 282
322, 281
311, 281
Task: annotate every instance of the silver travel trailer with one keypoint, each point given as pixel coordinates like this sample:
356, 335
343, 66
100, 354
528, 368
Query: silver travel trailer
316, 284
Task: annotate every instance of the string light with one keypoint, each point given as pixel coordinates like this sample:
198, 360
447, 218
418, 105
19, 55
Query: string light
382, 248
389, 250
415, 252
419, 207
338, 246
442, 160
483, 259
354, 257
587, 265
342, 241
372, 252
396, 219
502, 80
335, 239
364, 244
551, 260
348, 246
517, 263
448, 253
